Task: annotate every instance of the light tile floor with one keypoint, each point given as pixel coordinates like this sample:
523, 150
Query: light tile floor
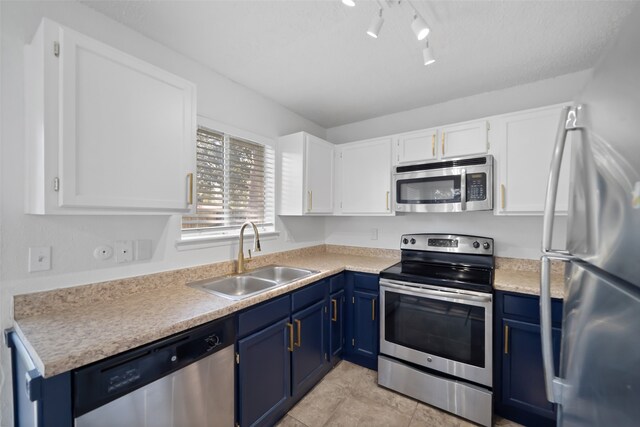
349, 396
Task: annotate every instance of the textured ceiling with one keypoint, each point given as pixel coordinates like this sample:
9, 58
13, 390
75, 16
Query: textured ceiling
315, 58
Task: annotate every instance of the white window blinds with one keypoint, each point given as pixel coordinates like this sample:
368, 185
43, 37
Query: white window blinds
235, 183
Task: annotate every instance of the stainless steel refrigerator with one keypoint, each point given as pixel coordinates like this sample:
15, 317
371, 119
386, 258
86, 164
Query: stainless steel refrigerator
598, 383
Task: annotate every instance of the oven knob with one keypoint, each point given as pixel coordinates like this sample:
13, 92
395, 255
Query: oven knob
413, 241
476, 244
486, 245
405, 240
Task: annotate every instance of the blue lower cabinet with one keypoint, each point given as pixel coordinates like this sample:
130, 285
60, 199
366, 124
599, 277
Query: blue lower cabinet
519, 375
337, 326
363, 324
309, 358
285, 353
264, 385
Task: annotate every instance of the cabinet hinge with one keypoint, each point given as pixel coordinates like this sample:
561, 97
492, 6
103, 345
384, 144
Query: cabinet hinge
326, 357
325, 309
488, 125
237, 358
488, 145
56, 184
56, 49
353, 342
340, 155
353, 300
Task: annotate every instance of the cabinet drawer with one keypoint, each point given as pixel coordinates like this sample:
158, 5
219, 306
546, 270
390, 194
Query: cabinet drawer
336, 283
309, 295
528, 307
365, 281
263, 315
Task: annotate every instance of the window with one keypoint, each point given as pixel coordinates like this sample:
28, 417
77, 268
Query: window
234, 184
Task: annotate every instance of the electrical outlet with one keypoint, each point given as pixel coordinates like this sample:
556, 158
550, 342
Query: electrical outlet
39, 259
124, 251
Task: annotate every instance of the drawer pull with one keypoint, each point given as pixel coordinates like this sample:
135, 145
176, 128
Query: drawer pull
334, 307
373, 309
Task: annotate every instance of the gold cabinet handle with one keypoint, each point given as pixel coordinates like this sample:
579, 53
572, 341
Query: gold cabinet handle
334, 307
373, 309
433, 145
443, 143
387, 199
502, 191
299, 324
290, 326
506, 339
190, 194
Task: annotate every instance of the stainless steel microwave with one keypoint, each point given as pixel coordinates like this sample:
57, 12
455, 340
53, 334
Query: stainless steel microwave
456, 185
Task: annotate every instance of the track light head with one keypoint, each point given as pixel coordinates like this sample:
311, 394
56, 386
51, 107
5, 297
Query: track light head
427, 55
376, 25
419, 27
349, 3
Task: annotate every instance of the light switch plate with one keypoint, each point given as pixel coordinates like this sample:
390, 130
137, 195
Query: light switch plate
39, 259
124, 251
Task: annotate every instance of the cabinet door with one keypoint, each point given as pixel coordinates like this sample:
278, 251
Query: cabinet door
522, 370
365, 324
336, 331
264, 384
464, 139
366, 177
127, 135
417, 146
319, 175
309, 358
526, 145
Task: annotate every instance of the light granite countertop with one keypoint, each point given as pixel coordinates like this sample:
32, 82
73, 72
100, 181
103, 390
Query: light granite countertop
79, 334
68, 328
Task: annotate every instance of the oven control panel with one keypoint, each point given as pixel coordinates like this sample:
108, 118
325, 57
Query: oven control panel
448, 243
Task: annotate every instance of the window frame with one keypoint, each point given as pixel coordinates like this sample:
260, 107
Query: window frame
201, 237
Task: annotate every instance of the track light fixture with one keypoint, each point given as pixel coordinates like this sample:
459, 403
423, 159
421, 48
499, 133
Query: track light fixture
376, 25
349, 3
419, 26
427, 55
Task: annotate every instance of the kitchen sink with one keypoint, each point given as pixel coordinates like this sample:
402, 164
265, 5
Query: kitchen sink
281, 274
253, 282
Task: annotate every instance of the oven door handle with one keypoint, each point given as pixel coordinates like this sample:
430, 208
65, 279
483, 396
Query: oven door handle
435, 293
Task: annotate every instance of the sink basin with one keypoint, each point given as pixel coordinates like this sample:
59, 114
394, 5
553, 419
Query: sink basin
281, 274
253, 282
236, 287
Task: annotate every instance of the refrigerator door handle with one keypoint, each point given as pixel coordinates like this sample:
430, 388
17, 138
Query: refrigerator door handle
568, 122
553, 385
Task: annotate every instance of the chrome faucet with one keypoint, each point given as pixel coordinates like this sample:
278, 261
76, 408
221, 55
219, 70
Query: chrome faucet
256, 245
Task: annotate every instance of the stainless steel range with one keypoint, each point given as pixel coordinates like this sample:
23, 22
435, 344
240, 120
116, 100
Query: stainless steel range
436, 323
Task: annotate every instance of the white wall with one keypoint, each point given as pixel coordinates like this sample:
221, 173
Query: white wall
514, 236
73, 238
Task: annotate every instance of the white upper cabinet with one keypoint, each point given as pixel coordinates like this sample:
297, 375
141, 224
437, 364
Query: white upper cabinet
525, 146
106, 132
364, 177
417, 146
457, 140
306, 175
464, 139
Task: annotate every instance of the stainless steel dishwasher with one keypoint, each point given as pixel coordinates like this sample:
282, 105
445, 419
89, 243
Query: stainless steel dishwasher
186, 380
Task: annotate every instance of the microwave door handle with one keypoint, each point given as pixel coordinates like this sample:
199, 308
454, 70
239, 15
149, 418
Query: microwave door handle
463, 189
